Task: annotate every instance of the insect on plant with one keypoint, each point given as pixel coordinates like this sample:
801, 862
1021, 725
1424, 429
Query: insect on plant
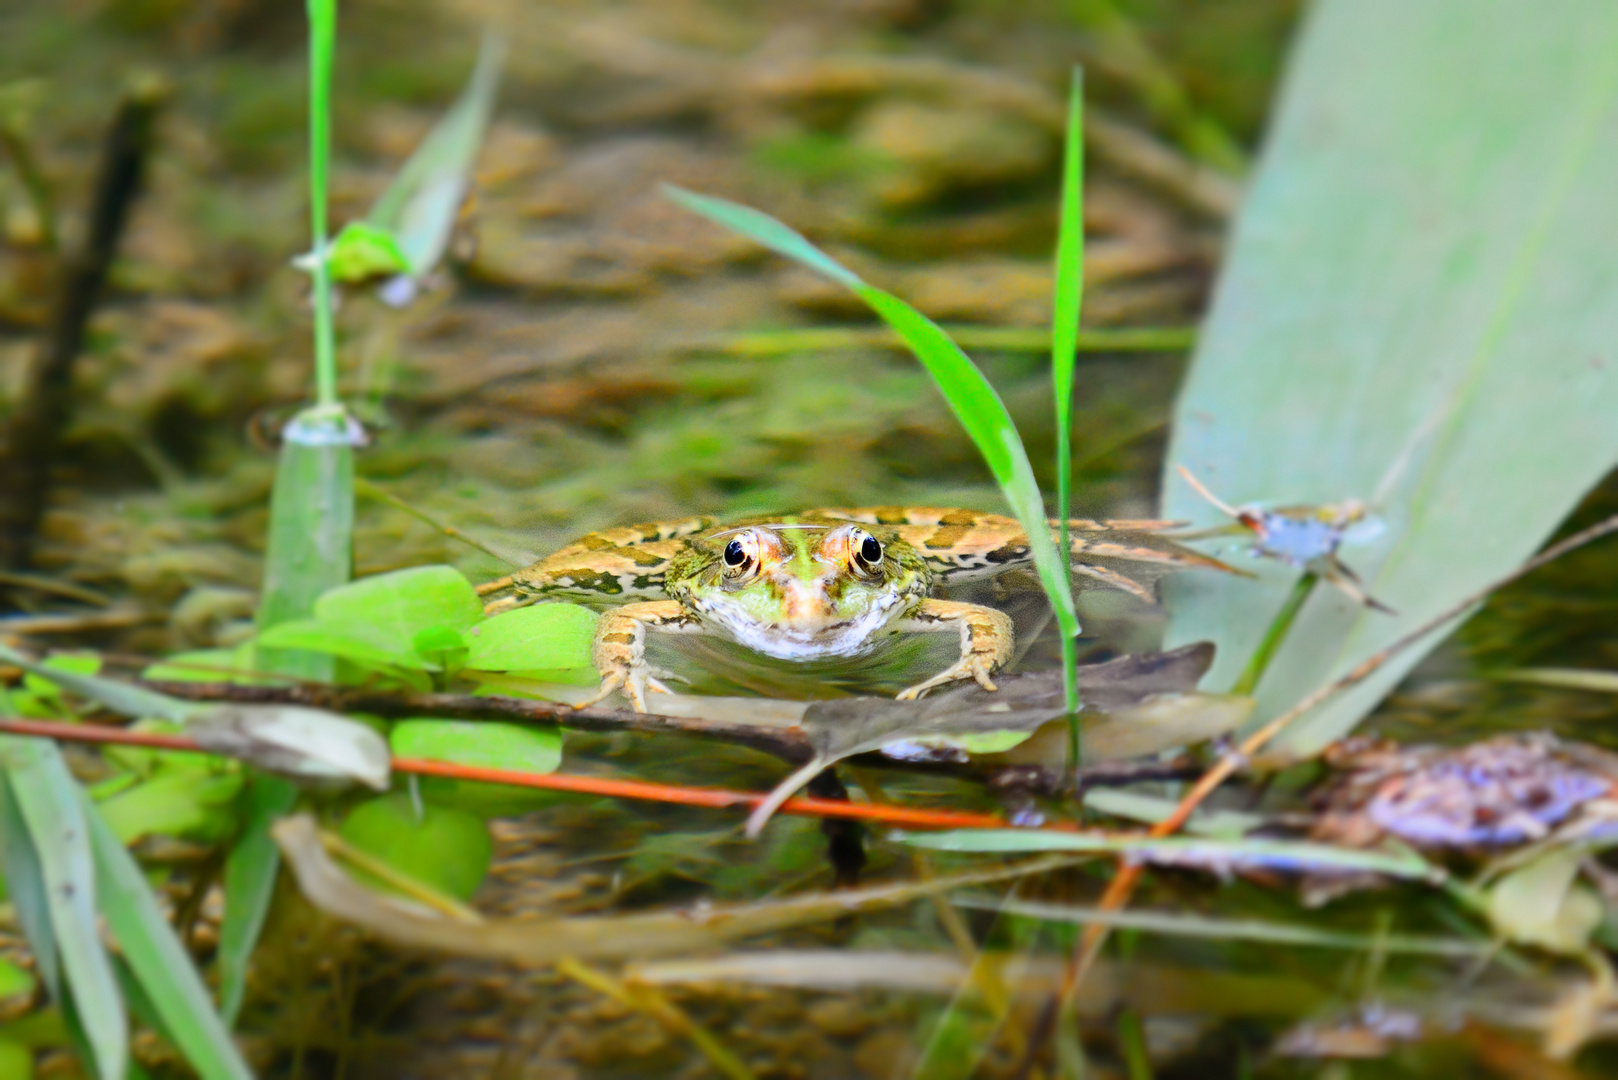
1305, 537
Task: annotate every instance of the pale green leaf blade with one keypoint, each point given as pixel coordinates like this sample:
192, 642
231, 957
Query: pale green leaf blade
1420, 310
49, 800
250, 871
419, 208
158, 960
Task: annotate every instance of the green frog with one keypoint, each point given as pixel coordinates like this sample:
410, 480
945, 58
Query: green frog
822, 583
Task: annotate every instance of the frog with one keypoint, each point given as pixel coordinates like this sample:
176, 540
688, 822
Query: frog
821, 583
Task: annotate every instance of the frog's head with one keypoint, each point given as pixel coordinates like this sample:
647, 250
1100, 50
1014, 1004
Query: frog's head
800, 591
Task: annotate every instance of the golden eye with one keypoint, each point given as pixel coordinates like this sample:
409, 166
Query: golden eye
735, 554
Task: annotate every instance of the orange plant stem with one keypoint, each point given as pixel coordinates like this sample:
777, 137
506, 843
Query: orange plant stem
716, 798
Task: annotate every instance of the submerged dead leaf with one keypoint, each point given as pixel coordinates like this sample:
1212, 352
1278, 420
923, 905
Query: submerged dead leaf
545, 941
1024, 703
294, 741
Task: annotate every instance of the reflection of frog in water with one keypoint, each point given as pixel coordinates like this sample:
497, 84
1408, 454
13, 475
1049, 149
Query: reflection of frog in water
823, 583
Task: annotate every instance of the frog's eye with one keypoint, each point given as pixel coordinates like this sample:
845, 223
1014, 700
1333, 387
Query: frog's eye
735, 554
867, 550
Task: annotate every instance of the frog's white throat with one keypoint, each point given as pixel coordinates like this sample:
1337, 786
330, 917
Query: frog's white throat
803, 631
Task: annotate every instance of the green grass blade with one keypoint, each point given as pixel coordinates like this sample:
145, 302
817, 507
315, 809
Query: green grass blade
322, 46
156, 957
50, 808
974, 401
1191, 851
759, 226
25, 882
1175, 924
1067, 300
250, 872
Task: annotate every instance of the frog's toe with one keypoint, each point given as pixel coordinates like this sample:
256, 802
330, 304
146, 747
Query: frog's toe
656, 686
610, 682
968, 667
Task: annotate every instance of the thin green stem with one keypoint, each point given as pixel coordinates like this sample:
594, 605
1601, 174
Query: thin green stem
1280, 626
322, 46
1067, 301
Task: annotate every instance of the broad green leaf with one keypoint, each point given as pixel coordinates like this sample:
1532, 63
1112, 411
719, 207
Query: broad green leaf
1419, 309
974, 401
187, 803
441, 647
445, 848
158, 961
363, 645
311, 532
492, 745
53, 813
250, 871
393, 608
540, 637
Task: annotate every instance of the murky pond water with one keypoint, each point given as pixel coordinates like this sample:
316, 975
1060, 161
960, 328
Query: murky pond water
596, 356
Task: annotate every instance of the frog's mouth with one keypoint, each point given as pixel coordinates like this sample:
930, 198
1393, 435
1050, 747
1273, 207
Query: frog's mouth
805, 630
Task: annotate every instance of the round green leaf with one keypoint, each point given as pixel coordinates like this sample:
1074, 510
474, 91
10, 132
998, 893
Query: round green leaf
499, 746
445, 848
394, 607
541, 637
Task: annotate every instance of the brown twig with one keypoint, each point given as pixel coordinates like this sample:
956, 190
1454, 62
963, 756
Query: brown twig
46, 404
787, 743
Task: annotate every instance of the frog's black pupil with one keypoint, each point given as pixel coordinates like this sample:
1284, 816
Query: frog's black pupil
735, 555
871, 551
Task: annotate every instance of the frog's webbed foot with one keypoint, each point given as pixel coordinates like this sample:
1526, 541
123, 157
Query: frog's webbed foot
619, 651
986, 641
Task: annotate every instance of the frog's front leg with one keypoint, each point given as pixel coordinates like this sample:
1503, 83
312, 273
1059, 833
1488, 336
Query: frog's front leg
619, 651
986, 640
